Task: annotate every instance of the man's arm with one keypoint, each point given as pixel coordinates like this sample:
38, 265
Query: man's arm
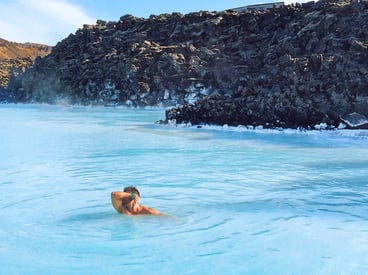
117, 198
120, 195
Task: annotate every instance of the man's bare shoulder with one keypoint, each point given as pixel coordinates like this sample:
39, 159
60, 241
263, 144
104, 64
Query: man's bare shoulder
148, 210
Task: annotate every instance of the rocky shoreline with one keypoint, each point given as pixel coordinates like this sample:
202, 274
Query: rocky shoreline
293, 66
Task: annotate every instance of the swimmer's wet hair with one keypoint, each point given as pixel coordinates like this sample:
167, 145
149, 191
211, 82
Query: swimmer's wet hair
130, 189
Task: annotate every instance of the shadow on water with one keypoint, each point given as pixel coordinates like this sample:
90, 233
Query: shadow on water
341, 204
104, 225
337, 164
89, 217
114, 226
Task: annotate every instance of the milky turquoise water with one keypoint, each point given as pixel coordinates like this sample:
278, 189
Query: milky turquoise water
242, 202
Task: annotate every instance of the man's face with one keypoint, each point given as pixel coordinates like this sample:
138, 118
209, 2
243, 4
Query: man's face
136, 197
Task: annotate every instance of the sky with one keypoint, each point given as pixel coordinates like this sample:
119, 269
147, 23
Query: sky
49, 21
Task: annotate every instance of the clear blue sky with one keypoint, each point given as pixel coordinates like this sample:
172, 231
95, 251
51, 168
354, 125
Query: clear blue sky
49, 21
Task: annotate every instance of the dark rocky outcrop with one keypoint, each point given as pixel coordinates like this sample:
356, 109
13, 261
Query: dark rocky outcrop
292, 66
311, 69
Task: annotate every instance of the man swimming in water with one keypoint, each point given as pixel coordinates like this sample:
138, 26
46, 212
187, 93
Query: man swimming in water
126, 202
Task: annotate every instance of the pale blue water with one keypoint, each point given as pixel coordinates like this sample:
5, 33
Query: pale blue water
243, 202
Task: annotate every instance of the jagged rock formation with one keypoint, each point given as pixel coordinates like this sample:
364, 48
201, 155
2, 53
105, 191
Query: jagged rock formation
16, 57
312, 69
291, 66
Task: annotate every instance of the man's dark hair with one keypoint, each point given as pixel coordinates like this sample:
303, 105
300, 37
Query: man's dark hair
130, 189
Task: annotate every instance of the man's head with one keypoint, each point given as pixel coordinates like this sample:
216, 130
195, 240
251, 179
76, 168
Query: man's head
130, 189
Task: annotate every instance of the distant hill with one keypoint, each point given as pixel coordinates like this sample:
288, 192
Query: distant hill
15, 57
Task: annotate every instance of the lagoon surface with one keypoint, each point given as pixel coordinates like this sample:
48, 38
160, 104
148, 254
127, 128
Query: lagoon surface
242, 201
